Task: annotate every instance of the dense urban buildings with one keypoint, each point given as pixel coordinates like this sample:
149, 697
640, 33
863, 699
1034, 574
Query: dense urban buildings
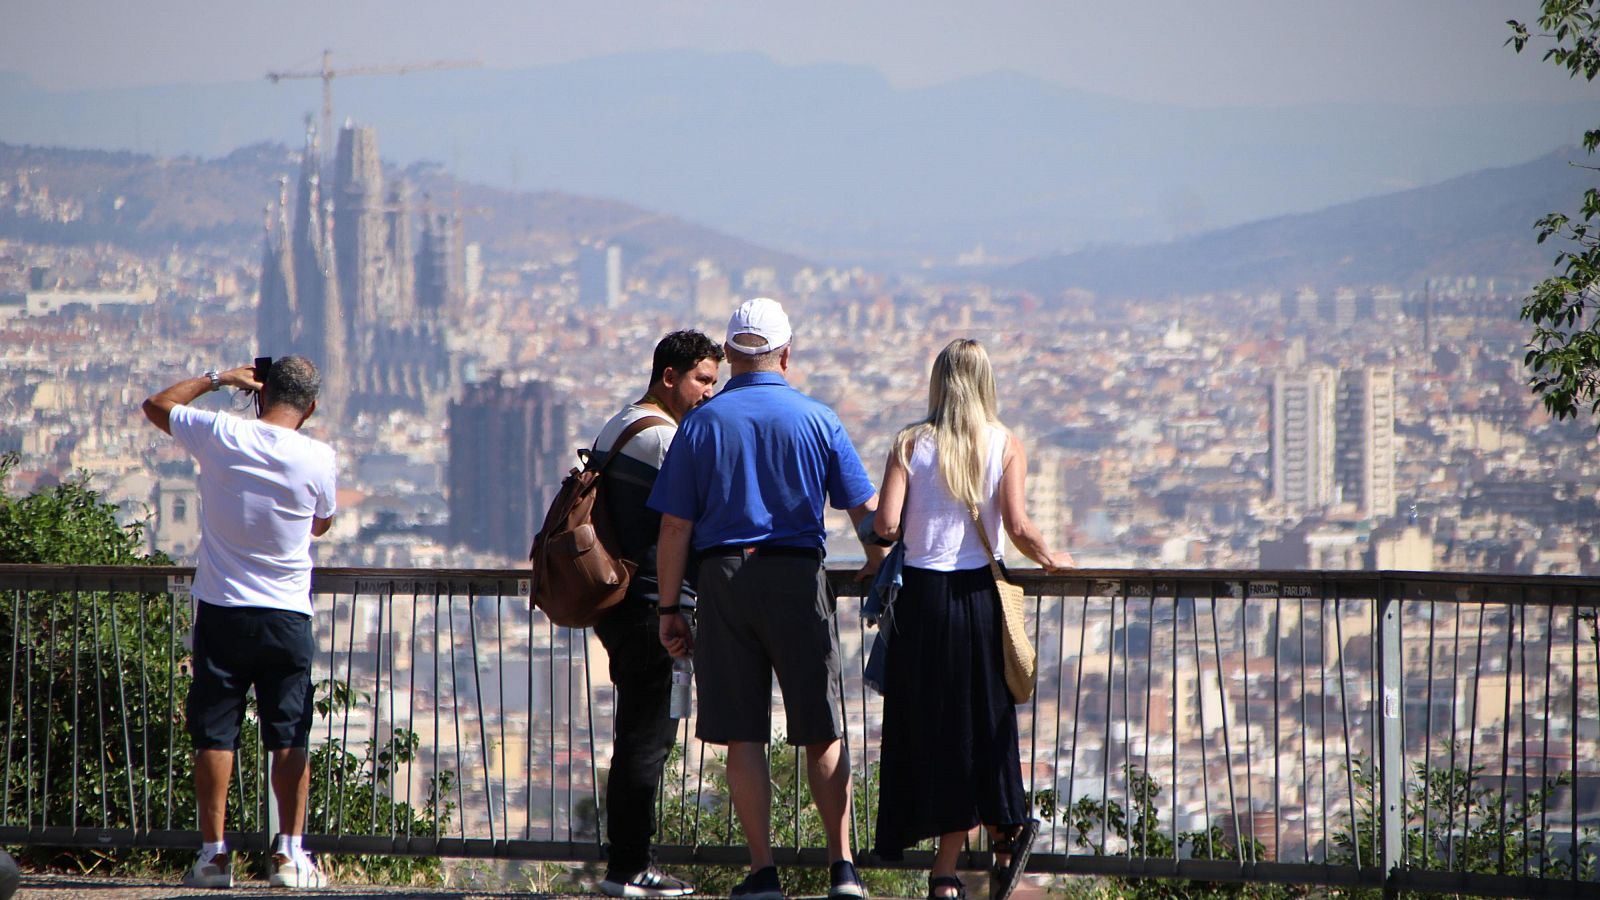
1153, 427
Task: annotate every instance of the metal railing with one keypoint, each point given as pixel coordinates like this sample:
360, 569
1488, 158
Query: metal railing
1382, 729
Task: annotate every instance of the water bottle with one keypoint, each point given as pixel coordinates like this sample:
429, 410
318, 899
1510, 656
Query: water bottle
681, 702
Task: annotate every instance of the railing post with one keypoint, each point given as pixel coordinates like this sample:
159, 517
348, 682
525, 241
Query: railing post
272, 801
1391, 738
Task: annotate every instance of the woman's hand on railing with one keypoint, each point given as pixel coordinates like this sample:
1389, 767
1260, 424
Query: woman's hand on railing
1058, 563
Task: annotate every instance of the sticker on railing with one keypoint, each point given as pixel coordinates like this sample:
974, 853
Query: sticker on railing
1391, 703
1264, 589
524, 587
1300, 590
178, 585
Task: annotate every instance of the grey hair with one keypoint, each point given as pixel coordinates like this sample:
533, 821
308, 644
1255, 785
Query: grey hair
757, 362
293, 381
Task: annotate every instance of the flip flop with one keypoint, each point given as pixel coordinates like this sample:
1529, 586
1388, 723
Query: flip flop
936, 882
1002, 879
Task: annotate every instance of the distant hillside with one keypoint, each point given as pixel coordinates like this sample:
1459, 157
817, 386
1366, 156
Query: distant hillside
147, 203
139, 201
1478, 224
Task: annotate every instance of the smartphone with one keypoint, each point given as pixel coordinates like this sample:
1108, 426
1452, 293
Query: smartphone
263, 365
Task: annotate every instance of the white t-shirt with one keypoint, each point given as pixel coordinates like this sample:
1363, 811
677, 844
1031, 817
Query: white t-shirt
938, 532
260, 486
649, 446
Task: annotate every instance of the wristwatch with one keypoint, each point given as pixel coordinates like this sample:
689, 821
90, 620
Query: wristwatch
216, 380
668, 610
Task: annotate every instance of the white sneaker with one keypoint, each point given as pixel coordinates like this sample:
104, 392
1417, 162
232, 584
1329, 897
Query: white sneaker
295, 873
213, 873
650, 883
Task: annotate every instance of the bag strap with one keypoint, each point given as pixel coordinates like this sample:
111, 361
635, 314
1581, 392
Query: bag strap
977, 518
628, 434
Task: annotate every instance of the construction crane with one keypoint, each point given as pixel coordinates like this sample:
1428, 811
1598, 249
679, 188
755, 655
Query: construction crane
328, 73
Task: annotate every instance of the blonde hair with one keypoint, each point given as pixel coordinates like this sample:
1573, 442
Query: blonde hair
961, 402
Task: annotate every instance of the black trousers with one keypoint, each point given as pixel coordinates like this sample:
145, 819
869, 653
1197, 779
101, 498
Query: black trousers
641, 671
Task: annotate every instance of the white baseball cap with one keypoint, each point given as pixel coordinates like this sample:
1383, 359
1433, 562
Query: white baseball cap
764, 318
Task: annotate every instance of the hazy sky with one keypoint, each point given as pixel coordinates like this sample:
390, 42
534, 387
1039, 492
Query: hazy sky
1196, 52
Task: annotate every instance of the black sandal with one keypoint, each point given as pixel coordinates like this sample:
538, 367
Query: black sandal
1017, 845
939, 881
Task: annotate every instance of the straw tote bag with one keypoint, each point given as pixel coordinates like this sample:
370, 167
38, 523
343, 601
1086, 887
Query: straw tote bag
1021, 660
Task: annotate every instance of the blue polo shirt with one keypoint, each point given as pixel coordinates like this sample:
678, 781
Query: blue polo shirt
753, 463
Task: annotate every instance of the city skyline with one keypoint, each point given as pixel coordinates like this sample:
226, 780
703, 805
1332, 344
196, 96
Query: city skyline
1153, 438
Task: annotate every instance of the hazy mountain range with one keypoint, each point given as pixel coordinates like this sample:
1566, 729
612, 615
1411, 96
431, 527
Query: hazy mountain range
1479, 224
832, 162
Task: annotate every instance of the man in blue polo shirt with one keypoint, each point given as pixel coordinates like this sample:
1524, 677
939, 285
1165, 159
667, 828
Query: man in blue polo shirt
744, 485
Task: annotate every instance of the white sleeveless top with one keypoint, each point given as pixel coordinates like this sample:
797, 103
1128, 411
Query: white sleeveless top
937, 529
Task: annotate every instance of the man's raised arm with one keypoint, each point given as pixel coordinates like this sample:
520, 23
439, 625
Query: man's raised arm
158, 407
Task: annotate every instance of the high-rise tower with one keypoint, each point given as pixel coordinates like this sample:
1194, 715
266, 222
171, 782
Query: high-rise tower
510, 446
600, 276
1364, 445
275, 314
1303, 439
360, 238
397, 225
438, 284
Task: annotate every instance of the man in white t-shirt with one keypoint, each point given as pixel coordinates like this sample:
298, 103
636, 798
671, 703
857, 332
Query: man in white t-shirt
683, 374
265, 491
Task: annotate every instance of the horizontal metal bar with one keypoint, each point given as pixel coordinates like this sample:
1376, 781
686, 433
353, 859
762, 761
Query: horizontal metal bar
507, 582
815, 857
1492, 885
155, 839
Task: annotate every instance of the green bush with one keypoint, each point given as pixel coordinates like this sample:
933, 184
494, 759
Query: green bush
1456, 821
1139, 827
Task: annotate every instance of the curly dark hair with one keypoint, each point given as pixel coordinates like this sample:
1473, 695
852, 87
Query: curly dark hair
293, 381
682, 351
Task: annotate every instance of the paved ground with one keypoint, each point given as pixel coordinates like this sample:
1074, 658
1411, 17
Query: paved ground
74, 887
68, 887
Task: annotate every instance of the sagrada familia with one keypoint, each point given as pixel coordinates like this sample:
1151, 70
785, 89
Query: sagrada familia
342, 284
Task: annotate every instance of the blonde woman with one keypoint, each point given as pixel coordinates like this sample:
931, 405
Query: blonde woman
950, 755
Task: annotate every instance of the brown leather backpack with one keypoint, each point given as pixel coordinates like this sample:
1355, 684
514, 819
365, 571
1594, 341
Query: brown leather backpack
578, 573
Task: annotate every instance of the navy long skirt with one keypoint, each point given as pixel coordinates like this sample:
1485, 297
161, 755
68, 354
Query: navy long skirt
950, 759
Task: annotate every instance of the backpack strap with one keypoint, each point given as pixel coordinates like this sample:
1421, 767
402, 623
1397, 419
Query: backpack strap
628, 434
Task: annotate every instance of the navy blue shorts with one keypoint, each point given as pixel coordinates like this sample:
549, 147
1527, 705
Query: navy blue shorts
239, 647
